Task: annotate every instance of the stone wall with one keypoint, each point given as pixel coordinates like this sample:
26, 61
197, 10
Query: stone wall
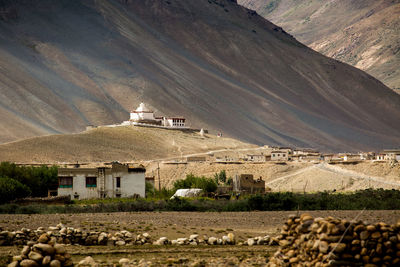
308, 241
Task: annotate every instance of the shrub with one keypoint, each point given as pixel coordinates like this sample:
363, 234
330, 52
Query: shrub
38, 179
220, 177
11, 189
207, 184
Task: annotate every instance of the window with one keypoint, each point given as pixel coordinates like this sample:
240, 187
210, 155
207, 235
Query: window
65, 182
118, 181
91, 181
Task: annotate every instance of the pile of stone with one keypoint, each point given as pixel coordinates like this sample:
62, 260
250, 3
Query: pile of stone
260, 240
70, 235
196, 240
308, 241
44, 252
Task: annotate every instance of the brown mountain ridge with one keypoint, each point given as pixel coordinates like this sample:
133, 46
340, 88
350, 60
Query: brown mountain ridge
66, 64
363, 33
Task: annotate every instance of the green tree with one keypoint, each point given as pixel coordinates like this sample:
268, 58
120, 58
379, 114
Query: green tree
191, 181
11, 189
220, 177
38, 179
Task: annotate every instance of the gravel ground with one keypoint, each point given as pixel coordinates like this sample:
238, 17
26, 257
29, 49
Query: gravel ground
178, 224
173, 225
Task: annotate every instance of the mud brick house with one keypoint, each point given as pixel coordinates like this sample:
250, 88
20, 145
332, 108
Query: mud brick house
245, 183
117, 180
283, 154
256, 157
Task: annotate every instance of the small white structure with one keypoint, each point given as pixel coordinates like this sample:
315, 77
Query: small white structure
142, 113
119, 180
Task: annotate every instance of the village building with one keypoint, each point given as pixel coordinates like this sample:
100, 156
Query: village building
117, 180
245, 183
389, 155
305, 152
256, 157
392, 154
283, 154
196, 159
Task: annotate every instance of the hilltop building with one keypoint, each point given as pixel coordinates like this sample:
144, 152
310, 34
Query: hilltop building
119, 180
143, 116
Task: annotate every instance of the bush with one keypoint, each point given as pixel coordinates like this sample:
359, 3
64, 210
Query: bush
11, 189
207, 184
370, 199
38, 179
220, 177
149, 191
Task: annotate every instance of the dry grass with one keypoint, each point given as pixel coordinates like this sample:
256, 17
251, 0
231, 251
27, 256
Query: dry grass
109, 144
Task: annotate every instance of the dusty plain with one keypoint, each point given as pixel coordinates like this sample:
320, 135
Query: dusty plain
178, 224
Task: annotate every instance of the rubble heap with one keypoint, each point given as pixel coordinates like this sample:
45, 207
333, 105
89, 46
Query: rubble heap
43, 253
308, 241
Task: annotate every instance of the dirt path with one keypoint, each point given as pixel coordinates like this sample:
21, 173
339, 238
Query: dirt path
357, 175
323, 176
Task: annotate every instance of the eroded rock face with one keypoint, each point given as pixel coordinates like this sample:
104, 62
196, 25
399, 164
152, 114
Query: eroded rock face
333, 242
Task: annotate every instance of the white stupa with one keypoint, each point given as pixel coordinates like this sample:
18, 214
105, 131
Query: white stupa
142, 113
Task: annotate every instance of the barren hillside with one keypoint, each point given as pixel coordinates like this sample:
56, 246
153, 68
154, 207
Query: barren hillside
66, 64
363, 33
293, 176
123, 144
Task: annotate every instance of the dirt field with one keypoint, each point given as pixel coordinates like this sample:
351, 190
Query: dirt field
174, 225
180, 224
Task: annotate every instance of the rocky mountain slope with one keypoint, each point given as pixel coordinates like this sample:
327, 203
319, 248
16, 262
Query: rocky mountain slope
66, 64
363, 33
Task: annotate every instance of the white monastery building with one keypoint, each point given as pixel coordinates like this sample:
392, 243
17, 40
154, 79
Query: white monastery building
143, 116
119, 180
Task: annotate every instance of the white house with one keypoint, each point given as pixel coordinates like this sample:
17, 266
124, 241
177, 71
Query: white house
176, 122
256, 157
119, 180
389, 155
283, 154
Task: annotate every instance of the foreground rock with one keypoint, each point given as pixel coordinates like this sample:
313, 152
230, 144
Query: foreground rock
44, 253
308, 241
